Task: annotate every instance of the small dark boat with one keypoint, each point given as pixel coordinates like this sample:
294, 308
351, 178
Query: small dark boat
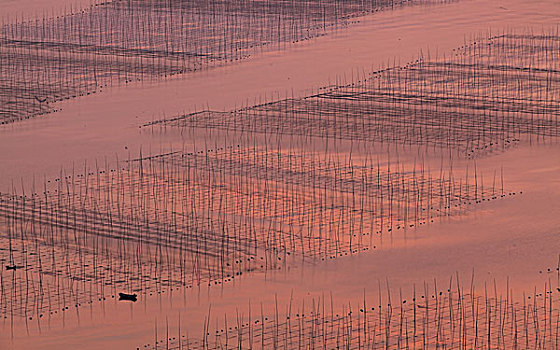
13, 267
130, 297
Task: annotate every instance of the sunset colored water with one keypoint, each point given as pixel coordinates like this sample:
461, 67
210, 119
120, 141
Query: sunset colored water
274, 174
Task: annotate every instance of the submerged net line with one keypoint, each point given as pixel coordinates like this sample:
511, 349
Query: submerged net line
206, 217
489, 96
56, 58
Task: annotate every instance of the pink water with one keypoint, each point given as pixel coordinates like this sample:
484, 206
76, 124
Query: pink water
514, 238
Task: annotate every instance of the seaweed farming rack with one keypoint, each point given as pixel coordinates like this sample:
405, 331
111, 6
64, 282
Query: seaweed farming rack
81, 52
489, 96
186, 218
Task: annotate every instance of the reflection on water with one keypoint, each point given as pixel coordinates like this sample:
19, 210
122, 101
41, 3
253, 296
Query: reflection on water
408, 207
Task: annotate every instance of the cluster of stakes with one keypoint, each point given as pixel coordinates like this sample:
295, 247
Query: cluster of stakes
487, 97
285, 181
452, 317
183, 219
59, 57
